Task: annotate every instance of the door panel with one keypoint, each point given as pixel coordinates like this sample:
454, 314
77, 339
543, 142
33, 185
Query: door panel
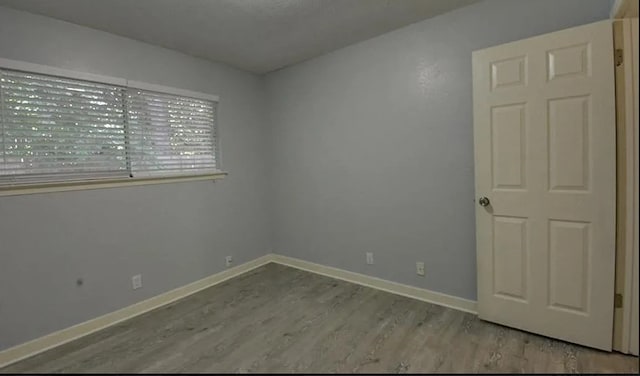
568, 256
509, 145
569, 125
544, 133
510, 257
568, 62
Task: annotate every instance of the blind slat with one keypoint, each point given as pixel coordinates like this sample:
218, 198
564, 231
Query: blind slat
35, 79
49, 132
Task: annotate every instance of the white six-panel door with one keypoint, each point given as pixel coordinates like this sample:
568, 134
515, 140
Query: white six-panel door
544, 130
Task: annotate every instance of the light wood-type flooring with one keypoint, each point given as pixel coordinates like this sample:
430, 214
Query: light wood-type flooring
280, 319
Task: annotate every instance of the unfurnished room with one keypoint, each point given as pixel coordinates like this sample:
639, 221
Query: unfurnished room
319, 186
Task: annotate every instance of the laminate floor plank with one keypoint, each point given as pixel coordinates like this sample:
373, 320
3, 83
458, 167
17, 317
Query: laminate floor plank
280, 319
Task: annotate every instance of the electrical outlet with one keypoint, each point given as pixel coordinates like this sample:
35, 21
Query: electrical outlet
228, 261
136, 281
420, 268
370, 258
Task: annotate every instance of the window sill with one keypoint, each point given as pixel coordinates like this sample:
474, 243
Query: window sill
27, 189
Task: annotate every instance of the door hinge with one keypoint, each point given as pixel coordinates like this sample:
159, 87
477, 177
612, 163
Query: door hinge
619, 57
617, 301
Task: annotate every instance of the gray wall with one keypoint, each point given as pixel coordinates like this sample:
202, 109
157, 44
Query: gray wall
373, 148
172, 233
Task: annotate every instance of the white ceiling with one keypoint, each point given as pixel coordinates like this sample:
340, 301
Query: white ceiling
255, 35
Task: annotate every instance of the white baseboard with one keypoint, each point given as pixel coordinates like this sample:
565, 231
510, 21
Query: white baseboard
49, 341
380, 284
63, 336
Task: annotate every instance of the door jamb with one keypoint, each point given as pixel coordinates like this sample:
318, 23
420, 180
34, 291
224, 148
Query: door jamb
626, 196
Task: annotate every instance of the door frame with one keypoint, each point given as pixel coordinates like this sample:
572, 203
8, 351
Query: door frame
626, 317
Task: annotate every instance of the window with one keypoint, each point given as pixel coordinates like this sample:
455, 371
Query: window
60, 129
169, 134
55, 129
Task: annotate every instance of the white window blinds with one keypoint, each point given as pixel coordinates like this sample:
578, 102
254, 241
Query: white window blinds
62, 129
170, 134
59, 129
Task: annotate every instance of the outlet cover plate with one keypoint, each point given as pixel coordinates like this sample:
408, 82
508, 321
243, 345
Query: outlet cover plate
136, 281
370, 258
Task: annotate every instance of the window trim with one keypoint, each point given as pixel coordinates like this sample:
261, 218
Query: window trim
25, 189
65, 73
61, 186
171, 90
110, 80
